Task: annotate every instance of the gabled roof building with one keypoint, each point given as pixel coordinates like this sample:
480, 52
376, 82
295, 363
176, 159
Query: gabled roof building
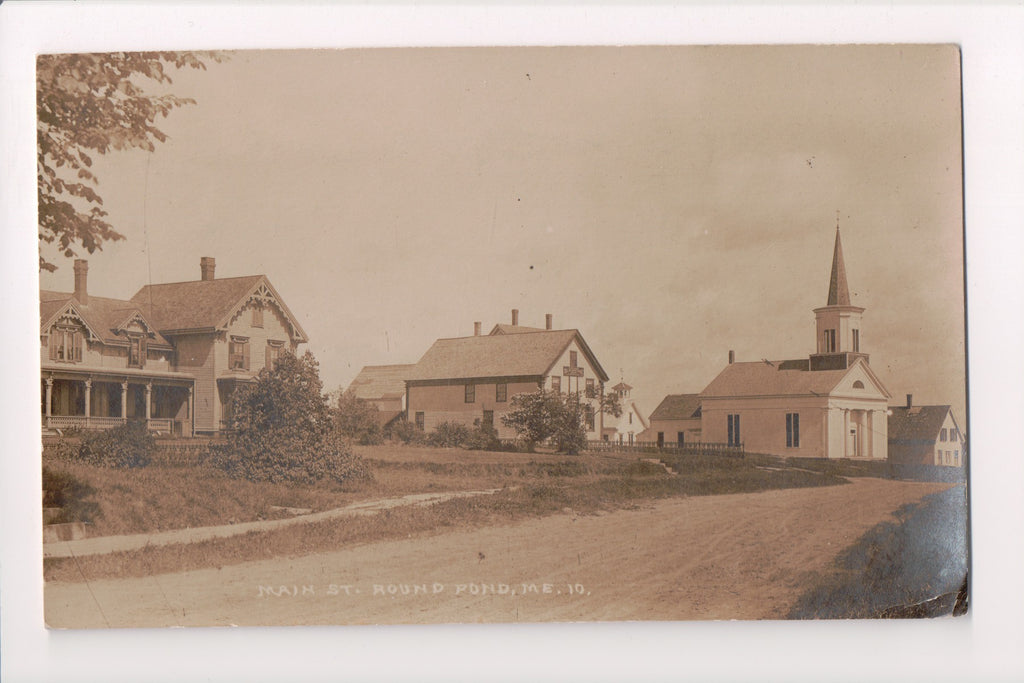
828, 405
172, 354
471, 380
925, 435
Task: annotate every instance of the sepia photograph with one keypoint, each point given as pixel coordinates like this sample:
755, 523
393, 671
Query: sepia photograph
436, 343
524, 334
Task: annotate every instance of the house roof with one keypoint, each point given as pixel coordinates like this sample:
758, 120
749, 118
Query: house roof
501, 328
204, 304
380, 381
678, 407
917, 423
524, 354
772, 378
103, 316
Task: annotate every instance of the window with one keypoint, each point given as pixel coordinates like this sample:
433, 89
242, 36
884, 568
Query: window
733, 422
590, 388
257, 316
273, 352
420, 420
488, 420
956, 457
136, 352
631, 417
942, 434
501, 393
661, 439
681, 438
66, 344
572, 359
856, 341
858, 385
238, 353
792, 430
588, 413
829, 342
470, 393
556, 384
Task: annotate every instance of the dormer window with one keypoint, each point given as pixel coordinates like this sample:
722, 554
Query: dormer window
66, 344
136, 352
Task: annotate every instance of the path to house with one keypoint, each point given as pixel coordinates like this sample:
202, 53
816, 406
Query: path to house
110, 544
740, 556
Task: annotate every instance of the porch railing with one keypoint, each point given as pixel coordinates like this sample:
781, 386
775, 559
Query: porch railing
165, 425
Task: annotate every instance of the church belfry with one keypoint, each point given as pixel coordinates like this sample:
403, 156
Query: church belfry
838, 322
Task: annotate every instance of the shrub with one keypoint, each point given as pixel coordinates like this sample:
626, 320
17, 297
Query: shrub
406, 432
449, 435
124, 446
64, 490
482, 438
281, 429
358, 419
544, 415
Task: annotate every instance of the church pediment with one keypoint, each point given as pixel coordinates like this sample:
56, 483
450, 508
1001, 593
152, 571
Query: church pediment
860, 382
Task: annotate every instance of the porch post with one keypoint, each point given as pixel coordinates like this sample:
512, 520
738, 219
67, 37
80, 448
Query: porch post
192, 410
124, 401
149, 401
49, 398
88, 400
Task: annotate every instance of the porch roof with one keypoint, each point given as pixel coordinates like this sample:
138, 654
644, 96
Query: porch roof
64, 370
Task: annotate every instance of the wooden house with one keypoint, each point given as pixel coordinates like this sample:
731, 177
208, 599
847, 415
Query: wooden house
925, 435
172, 354
471, 380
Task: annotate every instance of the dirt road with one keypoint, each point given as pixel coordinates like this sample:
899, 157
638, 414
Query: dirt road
745, 556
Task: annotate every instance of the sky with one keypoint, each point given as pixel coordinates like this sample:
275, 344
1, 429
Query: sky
671, 203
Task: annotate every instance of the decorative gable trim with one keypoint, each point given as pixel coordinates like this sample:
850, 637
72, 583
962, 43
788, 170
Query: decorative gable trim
69, 315
264, 294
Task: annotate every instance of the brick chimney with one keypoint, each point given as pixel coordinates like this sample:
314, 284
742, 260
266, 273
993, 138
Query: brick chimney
732, 356
207, 264
82, 281
476, 329
910, 401
515, 316
548, 321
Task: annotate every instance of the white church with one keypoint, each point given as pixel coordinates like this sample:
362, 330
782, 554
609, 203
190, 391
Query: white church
829, 405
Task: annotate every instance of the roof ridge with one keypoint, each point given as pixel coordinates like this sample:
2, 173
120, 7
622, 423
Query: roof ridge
188, 282
493, 336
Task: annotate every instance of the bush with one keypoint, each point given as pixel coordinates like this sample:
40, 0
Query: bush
124, 446
449, 435
282, 429
406, 432
548, 415
482, 438
358, 419
63, 490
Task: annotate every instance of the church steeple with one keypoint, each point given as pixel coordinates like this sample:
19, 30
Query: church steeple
838, 290
838, 321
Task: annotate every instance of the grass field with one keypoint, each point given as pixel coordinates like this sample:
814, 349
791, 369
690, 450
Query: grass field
160, 498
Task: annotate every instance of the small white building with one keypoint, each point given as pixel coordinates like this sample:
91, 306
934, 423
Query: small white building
829, 405
925, 435
626, 428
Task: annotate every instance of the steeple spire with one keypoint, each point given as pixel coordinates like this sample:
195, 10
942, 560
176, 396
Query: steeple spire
838, 290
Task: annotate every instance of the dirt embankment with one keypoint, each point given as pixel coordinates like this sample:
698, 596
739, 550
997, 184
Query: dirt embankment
744, 556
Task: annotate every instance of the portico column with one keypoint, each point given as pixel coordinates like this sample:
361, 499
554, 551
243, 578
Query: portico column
149, 400
49, 397
88, 400
846, 432
124, 400
192, 410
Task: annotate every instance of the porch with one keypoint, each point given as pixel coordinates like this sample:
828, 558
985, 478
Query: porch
100, 401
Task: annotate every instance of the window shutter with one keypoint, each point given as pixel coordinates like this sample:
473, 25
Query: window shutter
245, 355
54, 340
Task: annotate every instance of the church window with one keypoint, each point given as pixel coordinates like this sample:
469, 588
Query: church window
792, 430
829, 342
856, 341
733, 423
858, 385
